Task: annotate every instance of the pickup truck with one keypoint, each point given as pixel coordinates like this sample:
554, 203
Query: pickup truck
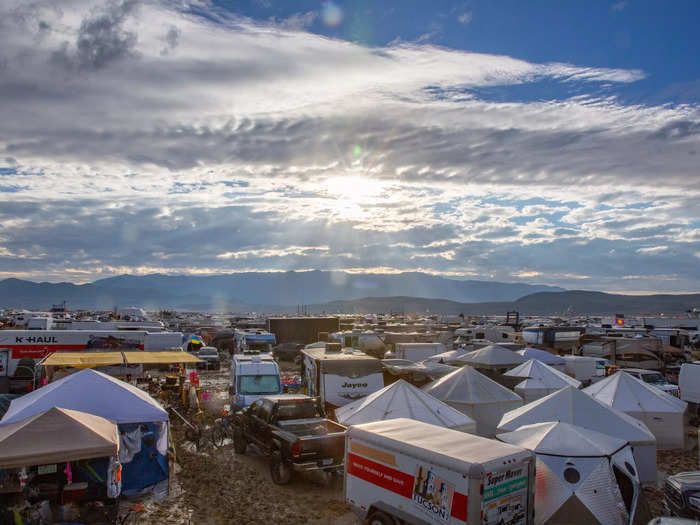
292, 431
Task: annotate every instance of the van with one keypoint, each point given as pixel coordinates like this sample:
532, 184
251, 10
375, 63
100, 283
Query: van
253, 375
406, 471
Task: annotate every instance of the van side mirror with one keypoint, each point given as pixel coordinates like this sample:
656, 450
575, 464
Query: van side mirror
231, 390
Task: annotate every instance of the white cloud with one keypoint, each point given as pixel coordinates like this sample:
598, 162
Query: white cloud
267, 147
465, 18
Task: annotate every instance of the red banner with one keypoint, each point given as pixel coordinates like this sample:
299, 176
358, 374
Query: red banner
38, 352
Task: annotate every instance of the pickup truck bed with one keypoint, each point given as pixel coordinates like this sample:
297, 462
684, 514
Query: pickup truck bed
311, 427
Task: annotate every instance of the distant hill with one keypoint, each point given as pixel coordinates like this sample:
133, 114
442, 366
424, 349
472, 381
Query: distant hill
243, 291
544, 303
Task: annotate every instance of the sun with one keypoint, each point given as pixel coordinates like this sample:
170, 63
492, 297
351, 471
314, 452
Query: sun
352, 191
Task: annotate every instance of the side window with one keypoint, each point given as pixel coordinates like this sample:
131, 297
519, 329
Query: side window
255, 408
266, 410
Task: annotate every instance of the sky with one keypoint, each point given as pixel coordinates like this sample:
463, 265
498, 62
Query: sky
539, 142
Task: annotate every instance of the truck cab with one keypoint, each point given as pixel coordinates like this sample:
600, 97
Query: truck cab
253, 375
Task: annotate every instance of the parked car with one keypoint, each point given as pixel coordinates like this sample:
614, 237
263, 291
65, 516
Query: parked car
682, 495
655, 379
293, 432
672, 373
210, 356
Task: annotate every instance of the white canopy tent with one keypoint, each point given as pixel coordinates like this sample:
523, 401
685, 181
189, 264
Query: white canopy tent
475, 395
574, 406
449, 357
539, 380
661, 412
402, 399
583, 476
548, 358
492, 357
91, 392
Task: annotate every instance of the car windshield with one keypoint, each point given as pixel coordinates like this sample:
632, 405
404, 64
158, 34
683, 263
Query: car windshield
259, 384
208, 351
657, 379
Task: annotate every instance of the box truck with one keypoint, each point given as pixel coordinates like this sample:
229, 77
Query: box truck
417, 351
406, 471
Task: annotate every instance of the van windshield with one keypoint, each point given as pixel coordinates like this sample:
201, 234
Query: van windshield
258, 385
655, 379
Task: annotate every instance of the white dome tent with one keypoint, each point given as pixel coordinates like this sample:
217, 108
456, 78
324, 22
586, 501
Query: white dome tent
574, 406
492, 357
539, 380
475, 395
583, 476
548, 358
661, 412
402, 399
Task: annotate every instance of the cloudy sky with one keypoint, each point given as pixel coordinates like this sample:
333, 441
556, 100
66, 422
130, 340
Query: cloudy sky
490, 140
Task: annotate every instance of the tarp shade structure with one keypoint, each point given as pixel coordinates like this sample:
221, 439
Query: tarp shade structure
492, 357
539, 380
94, 359
662, 413
401, 399
83, 359
92, 392
574, 406
548, 358
135, 358
578, 474
54, 436
475, 395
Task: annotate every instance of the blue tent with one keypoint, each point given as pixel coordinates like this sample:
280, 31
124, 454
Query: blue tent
142, 421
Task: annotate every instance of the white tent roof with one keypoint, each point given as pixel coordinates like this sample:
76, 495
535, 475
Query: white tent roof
563, 439
447, 357
466, 385
575, 406
91, 392
493, 355
545, 375
402, 399
541, 355
629, 394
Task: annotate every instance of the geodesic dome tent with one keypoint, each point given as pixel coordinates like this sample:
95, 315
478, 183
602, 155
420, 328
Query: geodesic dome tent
492, 357
475, 395
539, 380
574, 406
402, 399
582, 476
661, 412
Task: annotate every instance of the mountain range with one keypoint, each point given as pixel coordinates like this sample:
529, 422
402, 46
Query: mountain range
332, 292
241, 291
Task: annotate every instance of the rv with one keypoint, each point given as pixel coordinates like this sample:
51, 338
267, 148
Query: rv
339, 375
252, 339
417, 351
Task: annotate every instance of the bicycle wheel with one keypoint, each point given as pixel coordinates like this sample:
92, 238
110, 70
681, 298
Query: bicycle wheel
218, 435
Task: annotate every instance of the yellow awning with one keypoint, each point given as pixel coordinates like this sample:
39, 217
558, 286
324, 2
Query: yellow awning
134, 358
83, 359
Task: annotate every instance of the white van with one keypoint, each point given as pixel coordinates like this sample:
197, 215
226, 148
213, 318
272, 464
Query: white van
406, 471
253, 375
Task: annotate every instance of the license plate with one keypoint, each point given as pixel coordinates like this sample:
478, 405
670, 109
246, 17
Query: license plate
47, 469
327, 462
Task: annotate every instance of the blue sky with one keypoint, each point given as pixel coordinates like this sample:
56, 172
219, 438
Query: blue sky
542, 142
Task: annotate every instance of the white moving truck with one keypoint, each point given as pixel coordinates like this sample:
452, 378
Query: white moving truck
406, 471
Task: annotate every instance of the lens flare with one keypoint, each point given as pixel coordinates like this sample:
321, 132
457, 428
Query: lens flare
331, 14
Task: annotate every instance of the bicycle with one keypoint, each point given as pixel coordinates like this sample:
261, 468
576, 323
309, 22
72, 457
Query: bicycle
222, 429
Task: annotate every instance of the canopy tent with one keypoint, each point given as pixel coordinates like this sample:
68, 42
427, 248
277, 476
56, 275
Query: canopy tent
422, 372
540, 380
583, 476
574, 406
475, 395
56, 435
548, 358
662, 413
449, 357
92, 392
401, 399
94, 359
492, 357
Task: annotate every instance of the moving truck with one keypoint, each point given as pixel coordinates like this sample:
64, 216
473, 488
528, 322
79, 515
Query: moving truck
406, 471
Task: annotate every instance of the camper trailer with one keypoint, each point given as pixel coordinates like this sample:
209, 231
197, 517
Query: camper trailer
339, 375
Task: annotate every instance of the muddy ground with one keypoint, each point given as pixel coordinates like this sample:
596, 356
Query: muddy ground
216, 486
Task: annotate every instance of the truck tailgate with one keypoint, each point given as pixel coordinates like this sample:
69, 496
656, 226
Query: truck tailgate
318, 448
